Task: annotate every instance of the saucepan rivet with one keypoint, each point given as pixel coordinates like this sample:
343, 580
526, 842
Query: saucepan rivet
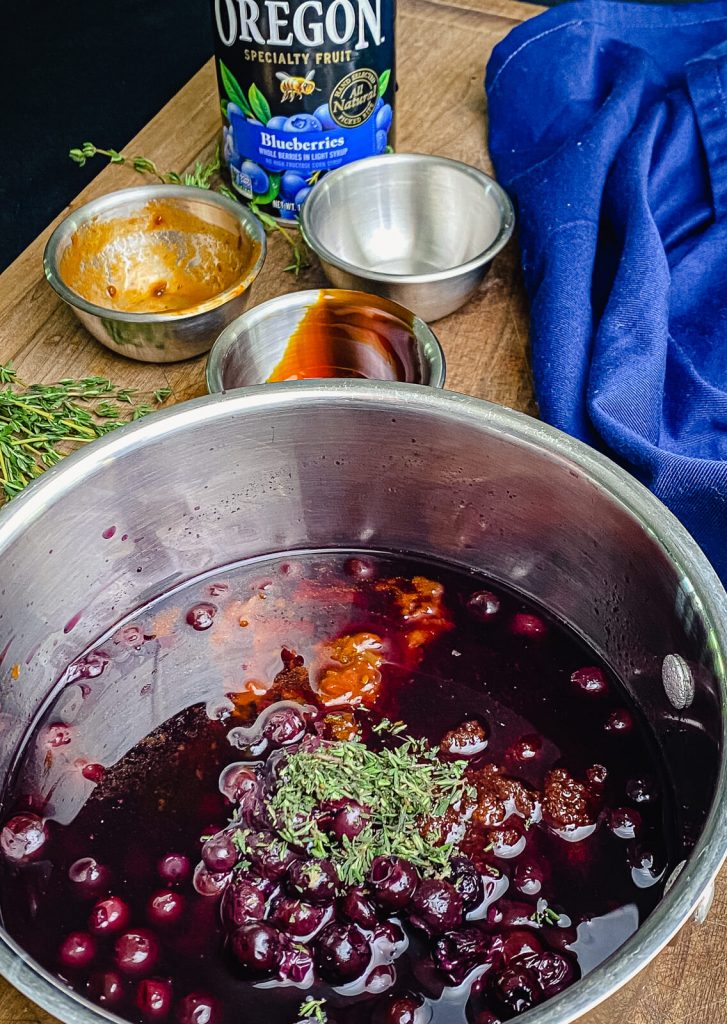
678, 681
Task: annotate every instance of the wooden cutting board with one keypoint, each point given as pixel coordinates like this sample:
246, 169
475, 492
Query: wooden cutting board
443, 46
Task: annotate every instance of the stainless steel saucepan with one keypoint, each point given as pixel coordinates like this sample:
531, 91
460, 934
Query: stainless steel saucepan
386, 466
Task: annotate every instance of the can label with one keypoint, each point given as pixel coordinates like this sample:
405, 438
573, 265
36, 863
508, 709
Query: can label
305, 86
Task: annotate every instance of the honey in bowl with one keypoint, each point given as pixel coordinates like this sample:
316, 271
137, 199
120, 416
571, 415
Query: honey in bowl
159, 259
349, 334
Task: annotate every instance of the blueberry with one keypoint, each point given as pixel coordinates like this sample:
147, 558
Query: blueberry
300, 197
381, 138
257, 948
457, 952
324, 116
277, 122
291, 183
436, 906
297, 919
517, 989
554, 972
242, 902
136, 952
379, 105
284, 725
342, 953
232, 108
384, 118
302, 123
258, 177
23, 838
154, 998
287, 214
270, 856
196, 1008
315, 881
355, 906
467, 882
393, 881
483, 604
219, 853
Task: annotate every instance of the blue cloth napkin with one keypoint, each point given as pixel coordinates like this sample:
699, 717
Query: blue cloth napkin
608, 125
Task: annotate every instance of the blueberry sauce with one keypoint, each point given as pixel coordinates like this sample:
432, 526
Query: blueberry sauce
158, 855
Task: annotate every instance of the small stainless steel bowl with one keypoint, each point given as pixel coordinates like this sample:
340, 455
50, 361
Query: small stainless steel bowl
156, 272
421, 230
374, 338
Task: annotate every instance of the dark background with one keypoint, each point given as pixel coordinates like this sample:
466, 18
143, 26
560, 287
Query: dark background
76, 71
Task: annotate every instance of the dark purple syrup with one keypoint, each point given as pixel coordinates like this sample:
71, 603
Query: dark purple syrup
124, 771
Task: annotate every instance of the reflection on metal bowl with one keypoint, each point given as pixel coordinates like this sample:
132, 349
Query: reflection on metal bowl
156, 272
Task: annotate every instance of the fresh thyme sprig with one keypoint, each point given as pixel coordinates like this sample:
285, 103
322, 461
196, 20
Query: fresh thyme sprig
41, 423
141, 164
203, 176
400, 788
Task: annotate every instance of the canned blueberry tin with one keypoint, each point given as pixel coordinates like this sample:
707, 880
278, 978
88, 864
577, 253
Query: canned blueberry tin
305, 86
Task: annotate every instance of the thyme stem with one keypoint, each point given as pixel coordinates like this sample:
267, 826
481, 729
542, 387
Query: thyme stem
42, 423
202, 177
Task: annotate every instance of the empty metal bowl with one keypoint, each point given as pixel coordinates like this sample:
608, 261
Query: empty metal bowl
156, 272
421, 230
325, 333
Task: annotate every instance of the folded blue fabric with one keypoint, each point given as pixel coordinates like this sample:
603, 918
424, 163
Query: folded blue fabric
608, 125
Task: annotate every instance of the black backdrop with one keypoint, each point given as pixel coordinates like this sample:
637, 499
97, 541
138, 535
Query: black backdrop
77, 70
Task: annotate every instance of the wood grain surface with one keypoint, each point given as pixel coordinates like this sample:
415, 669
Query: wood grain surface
443, 46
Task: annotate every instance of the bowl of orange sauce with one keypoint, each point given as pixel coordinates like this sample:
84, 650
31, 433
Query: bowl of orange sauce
158, 271
324, 333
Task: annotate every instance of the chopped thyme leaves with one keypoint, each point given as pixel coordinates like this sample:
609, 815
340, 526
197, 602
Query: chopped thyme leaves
394, 728
239, 840
313, 1009
398, 788
544, 914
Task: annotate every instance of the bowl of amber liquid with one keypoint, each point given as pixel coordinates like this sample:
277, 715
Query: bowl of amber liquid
156, 272
324, 333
